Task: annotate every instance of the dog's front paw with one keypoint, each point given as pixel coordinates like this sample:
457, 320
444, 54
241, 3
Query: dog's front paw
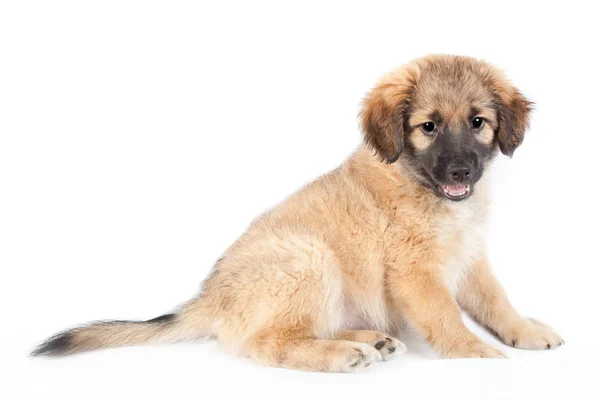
530, 334
473, 349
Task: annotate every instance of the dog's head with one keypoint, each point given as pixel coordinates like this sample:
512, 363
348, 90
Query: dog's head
443, 118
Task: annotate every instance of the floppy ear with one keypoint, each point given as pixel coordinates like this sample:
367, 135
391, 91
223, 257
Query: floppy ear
384, 113
513, 115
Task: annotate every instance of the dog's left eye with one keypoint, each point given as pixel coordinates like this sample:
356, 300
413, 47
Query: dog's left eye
477, 122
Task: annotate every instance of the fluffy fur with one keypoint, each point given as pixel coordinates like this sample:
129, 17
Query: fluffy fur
323, 281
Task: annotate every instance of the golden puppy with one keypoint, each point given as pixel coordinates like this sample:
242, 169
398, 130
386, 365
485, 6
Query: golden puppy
323, 281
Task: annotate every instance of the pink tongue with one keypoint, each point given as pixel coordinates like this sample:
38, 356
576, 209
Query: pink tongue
456, 190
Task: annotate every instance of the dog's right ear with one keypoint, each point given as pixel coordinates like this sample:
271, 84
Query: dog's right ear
384, 113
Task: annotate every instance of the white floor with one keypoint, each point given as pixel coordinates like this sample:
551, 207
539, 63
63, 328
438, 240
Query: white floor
202, 371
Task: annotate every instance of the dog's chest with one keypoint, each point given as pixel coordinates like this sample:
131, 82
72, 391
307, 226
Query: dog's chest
461, 239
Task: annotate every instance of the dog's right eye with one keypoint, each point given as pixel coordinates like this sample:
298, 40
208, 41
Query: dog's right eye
428, 127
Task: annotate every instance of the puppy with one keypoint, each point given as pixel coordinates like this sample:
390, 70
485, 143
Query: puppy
397, 233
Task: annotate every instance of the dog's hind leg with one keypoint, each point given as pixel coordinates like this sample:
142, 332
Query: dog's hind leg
281, 302
388, 346
294, 347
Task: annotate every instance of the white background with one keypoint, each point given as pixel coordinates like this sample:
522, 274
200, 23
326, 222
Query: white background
139, 139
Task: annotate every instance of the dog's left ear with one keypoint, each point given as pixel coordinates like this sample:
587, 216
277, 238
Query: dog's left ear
513, 115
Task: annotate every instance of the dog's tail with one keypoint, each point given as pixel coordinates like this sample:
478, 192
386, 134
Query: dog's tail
167, 328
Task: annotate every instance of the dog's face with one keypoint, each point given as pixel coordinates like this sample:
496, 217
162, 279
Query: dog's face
443, 118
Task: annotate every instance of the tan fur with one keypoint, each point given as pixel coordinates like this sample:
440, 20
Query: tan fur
319, 282
419, 140
484, 299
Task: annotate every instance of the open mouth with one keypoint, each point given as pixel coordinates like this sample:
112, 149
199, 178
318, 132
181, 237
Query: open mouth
456, 192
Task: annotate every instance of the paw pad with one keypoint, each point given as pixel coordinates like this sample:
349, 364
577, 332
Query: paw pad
389, 347
379, 345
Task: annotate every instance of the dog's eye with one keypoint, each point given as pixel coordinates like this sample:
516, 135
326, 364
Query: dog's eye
477, 122
428, 127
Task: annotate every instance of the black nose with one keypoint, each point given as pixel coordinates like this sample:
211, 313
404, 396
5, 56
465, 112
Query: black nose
460, 173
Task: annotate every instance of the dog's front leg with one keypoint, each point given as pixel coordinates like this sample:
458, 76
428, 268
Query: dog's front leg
484, 299
423, 298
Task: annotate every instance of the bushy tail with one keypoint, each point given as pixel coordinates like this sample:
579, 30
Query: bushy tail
104, 334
